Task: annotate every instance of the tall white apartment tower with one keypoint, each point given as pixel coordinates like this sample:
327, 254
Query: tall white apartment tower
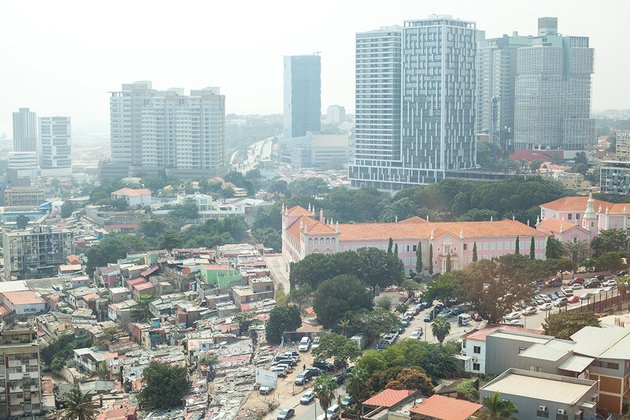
166, 131
55, 146
415, 103
24, 131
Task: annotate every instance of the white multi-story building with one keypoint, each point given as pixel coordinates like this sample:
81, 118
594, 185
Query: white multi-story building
55, 144
154, 131
424, 127
24, 131
24, 164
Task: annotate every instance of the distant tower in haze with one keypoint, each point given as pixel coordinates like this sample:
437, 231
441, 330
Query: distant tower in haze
55, 146
24, 131
302, 95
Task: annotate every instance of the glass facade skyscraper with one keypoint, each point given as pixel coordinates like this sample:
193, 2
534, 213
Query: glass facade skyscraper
433, 130
302, 95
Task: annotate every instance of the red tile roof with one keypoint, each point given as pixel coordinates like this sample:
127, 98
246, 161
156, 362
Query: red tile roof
555, 225
298, 211
480, 335
575, 203
212, 267
135, 281
142, 286
23, 297
388, 398
413, 219
130, 192
445, 408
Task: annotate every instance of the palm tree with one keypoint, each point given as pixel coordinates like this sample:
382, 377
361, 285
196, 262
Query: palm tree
78, 406
344, 324
355, 384
497, 409
325, 390
441, 328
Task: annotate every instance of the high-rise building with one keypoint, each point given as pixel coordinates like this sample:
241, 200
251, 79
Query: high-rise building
20, 377
154, 131
23, 164
335, 114
421, 126
24, 131
536, 90
302, 95
55, 144
623, 145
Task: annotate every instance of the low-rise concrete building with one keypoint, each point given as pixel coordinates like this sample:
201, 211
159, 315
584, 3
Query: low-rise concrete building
24, 302
134, 197
544, 395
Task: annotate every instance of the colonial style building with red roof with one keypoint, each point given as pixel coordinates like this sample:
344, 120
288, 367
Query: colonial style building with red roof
581, 218
303, 233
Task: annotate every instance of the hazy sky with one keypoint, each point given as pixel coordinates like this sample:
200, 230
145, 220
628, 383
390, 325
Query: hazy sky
62, 57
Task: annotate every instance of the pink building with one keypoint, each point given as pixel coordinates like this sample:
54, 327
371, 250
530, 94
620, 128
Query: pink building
303, 234
580, 218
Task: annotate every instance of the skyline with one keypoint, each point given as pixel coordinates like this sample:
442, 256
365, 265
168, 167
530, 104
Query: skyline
85, 59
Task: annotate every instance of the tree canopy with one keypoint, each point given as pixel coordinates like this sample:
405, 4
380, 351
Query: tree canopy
337, 346
564, 324
340, 295
610, 240
164, 386
281, 319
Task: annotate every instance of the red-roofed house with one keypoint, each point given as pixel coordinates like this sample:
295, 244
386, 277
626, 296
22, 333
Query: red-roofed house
139, 197
24, 302
122, 413
140, 289
387, 398
439, 407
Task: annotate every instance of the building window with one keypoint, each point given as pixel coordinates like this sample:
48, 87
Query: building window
465, 247
569, 216
415, 248
577, 216
476, 366
407, 248
536, 368
477, 349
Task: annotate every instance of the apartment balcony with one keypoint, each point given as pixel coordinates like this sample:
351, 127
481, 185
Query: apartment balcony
15, 363
14, 389
16, 376
34, 388
33, 362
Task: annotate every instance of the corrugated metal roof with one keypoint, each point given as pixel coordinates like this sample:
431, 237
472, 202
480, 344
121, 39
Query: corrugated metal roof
576, 363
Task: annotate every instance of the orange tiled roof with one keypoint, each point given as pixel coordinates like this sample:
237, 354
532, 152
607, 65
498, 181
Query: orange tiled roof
130, 192
553, 225
23, 297
413, 219
575, 203
399, 231
299, 211
312, 226
618, 208
445, 408
388, 397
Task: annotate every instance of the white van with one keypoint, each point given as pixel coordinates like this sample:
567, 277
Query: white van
463, 319
305, 344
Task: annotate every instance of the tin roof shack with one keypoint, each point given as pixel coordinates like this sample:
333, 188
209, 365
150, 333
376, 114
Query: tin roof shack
123, 312
225, 309
245, 294
212, 300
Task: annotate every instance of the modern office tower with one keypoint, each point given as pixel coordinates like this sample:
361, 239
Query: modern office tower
496, 76
302, 95
20, 378
614, 177
23, 164
552, 94
35, 252
425, 128
24, 131
154, 131
55, 144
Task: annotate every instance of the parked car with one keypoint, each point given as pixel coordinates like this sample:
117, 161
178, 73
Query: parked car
610, 283
568, 291
339, 378
555, 282
333, 412
285, 414
512, 316
576, 286
416, 334
303, 378
346, 401
292, 353
561, 302
546, 298
285, 366
573, 299
458, 310
264, 390
578, 280
315, 343
323, 365
404, 322
530, 310
586, 296
514, 322
313, 371
280, 371
307, 398
545, 306
428, 317
305, 344
592, 283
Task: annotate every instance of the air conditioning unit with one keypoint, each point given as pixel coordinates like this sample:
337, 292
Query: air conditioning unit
562, 412
542, 408
463, 353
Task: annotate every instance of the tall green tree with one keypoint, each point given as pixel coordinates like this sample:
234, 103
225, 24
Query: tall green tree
337, 296
532, 249
554, 248
474, 252
378, 269
325, 388
419, 266
372, 323
245, 321
448, 263
355, 384
396, 250
281, 319
564, 324
78, 406
431, 259
411, 378
164, 386
21, 222
390, 246
440, 328
610, 240
497, 409
337, 346
445, 286
517, 246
